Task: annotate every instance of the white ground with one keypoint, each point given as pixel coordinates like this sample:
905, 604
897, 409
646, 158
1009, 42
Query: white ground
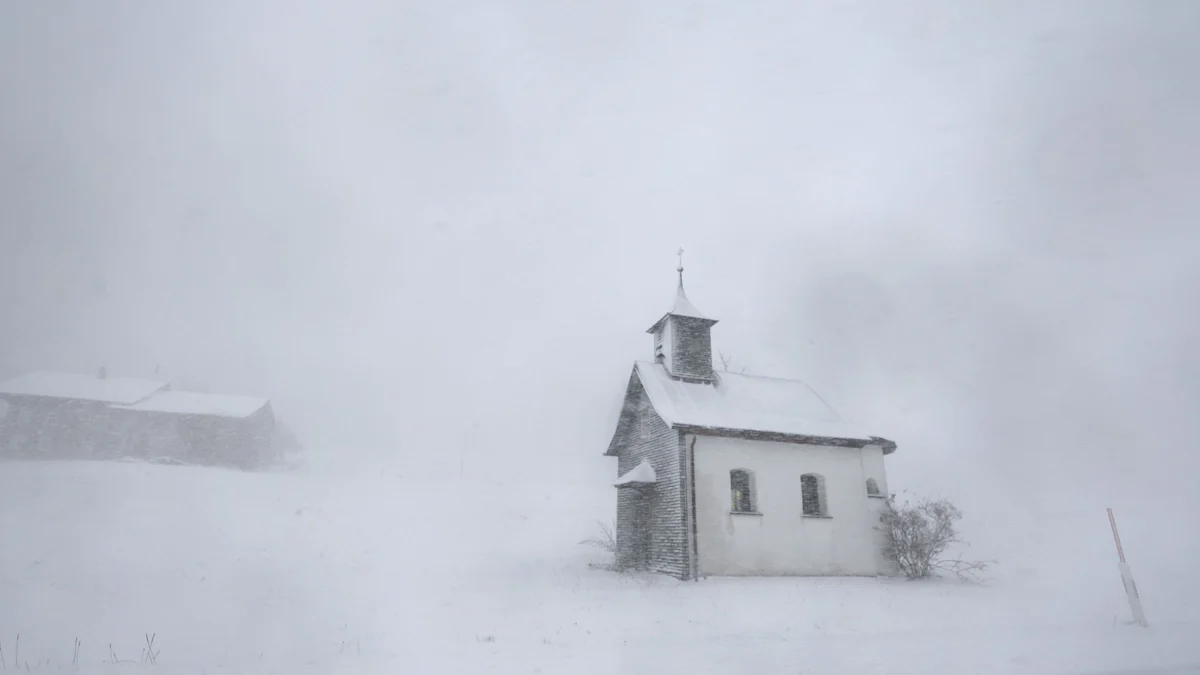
383, 570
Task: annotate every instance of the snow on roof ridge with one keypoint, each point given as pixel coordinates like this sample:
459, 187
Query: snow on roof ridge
742, 403
724, 373
756, 376
77, 386
642, 473
198, 403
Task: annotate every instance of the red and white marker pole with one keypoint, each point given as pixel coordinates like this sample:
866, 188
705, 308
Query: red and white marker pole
1135, 602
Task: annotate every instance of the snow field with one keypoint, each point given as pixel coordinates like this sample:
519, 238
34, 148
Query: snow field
391, 568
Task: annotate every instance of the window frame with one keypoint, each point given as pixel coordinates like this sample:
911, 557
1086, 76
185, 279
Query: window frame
873, 489
751, 496
822, 503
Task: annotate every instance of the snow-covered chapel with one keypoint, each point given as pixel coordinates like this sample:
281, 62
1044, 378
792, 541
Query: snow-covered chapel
727, 474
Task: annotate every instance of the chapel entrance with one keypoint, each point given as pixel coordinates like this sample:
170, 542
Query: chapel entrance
643, 530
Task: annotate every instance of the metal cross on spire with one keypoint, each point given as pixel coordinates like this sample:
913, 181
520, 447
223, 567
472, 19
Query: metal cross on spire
680, 268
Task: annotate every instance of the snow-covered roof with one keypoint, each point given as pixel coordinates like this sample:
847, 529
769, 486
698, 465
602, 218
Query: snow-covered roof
682, 307
196, 403
642, 474
744, 403
124, 390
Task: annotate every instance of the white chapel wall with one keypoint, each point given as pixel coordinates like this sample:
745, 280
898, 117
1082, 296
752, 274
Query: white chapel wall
873, 467
780, 539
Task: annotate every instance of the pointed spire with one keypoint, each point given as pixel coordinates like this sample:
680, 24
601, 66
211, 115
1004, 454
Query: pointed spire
682, 307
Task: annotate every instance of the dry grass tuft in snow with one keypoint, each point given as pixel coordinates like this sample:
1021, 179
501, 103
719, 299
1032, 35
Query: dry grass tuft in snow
149, 656
605, 540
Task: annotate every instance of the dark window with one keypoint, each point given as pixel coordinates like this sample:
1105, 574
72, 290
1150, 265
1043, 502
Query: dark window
812, 494
872, 487
741, 491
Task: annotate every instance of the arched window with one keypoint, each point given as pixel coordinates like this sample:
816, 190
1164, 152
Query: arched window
812, 494
873, 488
741, 491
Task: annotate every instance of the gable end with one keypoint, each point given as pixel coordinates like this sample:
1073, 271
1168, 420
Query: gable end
628, 420
651, 519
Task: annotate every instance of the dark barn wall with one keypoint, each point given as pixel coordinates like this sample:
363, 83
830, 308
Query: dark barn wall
48, 428
242, 442
52, 428
146, 435
220, 441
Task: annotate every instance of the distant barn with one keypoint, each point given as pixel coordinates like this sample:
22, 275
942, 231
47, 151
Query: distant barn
69, 416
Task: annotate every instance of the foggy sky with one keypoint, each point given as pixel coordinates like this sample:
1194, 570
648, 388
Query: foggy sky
968, 224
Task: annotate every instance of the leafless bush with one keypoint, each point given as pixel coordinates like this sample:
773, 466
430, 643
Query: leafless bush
727, 364
605, 540
918, 535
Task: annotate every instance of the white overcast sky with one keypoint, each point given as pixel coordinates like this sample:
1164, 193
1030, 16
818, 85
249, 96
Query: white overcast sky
970, 225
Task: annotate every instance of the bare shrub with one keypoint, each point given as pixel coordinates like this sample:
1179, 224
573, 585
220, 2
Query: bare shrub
605, 540
918, 535
727, 364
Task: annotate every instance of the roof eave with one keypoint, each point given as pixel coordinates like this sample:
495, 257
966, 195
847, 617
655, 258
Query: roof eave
658, 324
12, 397
240, 417
778, 437
888, 446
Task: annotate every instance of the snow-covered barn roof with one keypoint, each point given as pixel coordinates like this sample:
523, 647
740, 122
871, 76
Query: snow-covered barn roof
746, 403
121, 390
196, 403
642, 474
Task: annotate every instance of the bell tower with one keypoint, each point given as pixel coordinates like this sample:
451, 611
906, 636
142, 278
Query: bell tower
683, 338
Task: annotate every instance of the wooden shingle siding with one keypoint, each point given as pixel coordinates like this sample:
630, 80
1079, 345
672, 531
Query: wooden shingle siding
692, 348
631, 525
661, 518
